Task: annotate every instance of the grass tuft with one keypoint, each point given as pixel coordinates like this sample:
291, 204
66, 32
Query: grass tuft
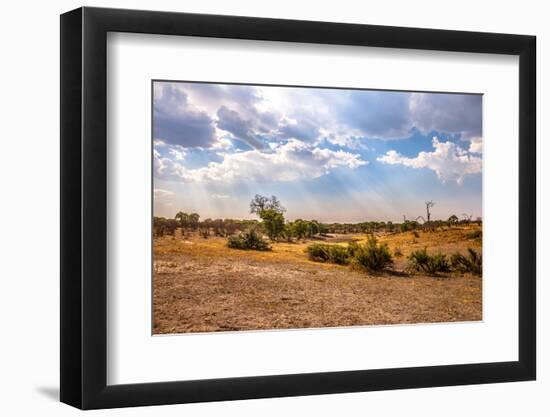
372, 256
421, 261
472, 262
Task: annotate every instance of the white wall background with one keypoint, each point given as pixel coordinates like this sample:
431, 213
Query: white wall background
29, 172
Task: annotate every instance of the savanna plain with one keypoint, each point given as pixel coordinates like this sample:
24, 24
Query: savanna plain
424, 275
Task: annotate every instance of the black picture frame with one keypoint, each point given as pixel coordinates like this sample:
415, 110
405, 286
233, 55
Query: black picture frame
84, 207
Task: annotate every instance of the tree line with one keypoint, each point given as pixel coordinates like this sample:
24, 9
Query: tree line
271, 222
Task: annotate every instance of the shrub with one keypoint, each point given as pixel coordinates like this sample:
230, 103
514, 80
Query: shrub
318, 252
420, 260
328, 253
250, 239
372, 256
352, 248
472, 262
338, 254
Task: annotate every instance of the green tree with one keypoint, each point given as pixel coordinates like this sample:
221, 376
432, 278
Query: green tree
193, 220
312, 228
300, 228
273, 222
183, 219
453, 220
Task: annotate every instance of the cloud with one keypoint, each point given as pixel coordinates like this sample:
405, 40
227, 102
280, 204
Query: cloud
306, 130
450, 113
177, 122
449, 161
178, 153
377, 114
230, 121
165, 168
237, 109
189, 114
476, 145
160, 193
290, 161
393, 115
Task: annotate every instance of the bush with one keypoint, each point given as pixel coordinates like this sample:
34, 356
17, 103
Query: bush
318, 252
372, 256
352, 248
472, 263
328, 253
338, 255
421, 261
476, 235
248, 240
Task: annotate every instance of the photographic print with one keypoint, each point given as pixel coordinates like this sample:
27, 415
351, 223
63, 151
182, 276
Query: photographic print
285, 207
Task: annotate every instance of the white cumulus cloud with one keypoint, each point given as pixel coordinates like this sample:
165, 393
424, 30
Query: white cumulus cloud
448, 160
476, 145
291, 161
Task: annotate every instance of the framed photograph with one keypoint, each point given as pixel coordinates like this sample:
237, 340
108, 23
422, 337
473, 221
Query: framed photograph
257, 208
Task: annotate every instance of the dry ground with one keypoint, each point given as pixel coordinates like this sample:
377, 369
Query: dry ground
200, 285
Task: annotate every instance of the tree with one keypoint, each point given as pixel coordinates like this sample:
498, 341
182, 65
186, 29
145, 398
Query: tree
193, 220
271, 212
323, 229
312, 228
429, 205
182, 218
162, 226
453, 220
261, 202
300, 228
467, 218
288, 231
273, 221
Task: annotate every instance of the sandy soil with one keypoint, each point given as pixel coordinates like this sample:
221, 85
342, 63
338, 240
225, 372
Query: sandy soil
200, 285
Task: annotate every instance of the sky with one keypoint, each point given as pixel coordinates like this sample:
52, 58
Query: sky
333, 155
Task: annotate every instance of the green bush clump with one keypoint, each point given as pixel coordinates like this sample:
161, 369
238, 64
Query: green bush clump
338, 255
328, 253
248, 240
353, 248
472, 262
420, 260
372, 256
318, 252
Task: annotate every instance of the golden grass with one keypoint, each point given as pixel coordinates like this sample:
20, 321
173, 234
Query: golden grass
202, 285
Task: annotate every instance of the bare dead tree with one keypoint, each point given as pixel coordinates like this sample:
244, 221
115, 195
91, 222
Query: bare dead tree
429, 205
467, 217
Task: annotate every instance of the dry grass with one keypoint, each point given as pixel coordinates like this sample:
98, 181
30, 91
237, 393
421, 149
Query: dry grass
200, 285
